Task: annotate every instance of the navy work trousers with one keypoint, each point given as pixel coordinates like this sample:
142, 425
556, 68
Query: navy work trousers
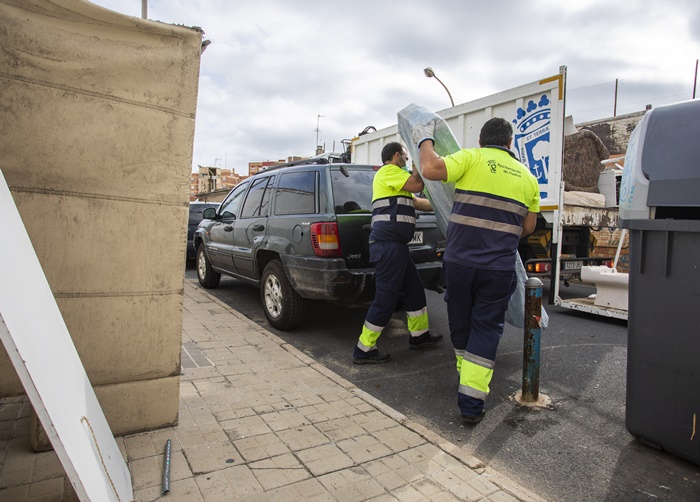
477, 300
396, 277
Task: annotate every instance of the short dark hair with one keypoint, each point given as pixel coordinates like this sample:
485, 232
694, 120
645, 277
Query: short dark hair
496, 131
391, 149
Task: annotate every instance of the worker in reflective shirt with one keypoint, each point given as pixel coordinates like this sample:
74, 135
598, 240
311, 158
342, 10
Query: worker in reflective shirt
496, 203
393, 225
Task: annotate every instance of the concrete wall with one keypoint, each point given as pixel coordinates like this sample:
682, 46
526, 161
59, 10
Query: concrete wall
614, 132
83, 87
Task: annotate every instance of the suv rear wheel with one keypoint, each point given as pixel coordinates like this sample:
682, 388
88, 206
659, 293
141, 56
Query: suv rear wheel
284, 308
207, 277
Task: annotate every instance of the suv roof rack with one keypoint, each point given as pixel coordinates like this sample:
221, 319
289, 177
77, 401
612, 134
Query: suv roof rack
328, 158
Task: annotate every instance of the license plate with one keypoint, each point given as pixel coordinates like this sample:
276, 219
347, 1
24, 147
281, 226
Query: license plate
572, 265
417, 238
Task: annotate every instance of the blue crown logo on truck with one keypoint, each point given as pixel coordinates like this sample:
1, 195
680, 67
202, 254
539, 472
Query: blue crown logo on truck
532, 128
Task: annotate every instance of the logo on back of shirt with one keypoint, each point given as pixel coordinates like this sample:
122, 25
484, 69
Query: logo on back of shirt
532, 126
495, 166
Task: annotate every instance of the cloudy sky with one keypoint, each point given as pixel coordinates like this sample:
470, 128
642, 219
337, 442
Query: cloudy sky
274, 66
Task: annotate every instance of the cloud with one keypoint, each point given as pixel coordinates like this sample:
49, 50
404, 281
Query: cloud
274, 66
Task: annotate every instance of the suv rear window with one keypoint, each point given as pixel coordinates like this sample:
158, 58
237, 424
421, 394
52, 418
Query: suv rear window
296, 193
353, 193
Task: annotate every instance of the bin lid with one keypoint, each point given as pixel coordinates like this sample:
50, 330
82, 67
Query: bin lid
670, 155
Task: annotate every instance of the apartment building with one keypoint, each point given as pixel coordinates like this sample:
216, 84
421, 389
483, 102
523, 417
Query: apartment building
216, 179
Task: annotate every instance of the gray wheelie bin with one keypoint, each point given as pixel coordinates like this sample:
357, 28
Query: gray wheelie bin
660, 206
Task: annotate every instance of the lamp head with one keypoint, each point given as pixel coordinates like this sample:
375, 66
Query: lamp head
429, 72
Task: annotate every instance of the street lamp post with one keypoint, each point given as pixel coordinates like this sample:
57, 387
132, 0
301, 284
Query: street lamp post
430, 73
318, 119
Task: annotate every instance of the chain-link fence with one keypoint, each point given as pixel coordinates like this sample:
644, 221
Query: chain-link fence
619, 97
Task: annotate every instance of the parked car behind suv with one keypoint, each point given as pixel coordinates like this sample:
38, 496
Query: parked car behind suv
302, 232
196, 210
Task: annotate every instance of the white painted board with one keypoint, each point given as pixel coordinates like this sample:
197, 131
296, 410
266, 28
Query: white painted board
37, 340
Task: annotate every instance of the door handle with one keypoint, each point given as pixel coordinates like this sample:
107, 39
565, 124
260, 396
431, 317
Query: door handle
228, 228
258, 227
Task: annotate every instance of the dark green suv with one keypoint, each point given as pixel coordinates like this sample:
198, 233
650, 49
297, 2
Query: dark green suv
302, 232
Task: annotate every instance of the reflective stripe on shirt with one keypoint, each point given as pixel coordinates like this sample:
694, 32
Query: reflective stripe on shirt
387, 202
468, 198
491, 225
399, 217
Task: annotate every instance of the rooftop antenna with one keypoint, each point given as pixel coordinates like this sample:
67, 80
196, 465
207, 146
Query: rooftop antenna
318, 119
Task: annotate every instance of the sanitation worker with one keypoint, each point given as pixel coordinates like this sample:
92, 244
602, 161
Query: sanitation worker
396, 277
496, 203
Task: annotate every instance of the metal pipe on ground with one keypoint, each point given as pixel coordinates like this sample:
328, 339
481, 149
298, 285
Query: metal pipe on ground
166, 469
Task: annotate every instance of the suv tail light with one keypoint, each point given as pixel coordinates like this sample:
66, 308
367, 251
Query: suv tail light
324, 238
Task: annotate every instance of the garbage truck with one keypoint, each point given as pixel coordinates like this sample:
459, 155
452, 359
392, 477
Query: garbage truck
570, 224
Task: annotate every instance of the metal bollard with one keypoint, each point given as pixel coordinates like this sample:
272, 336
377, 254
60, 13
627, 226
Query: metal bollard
531, 348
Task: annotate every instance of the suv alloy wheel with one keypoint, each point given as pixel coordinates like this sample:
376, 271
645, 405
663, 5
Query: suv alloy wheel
207, 277
284, 308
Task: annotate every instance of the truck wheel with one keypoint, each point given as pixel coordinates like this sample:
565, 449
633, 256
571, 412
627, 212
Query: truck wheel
207, 277
284, 308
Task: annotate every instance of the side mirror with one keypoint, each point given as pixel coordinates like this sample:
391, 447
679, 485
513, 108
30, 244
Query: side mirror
209, 213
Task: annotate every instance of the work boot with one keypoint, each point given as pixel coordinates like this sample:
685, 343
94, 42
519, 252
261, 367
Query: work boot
426, 339
469, 420
371, 357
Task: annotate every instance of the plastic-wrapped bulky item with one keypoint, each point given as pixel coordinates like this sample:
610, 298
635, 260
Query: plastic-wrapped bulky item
441, 195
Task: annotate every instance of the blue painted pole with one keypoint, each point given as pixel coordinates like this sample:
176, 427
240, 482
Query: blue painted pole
531, 348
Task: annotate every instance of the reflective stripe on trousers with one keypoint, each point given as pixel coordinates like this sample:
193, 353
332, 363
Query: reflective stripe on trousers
368, 337
475, 374
417, 321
